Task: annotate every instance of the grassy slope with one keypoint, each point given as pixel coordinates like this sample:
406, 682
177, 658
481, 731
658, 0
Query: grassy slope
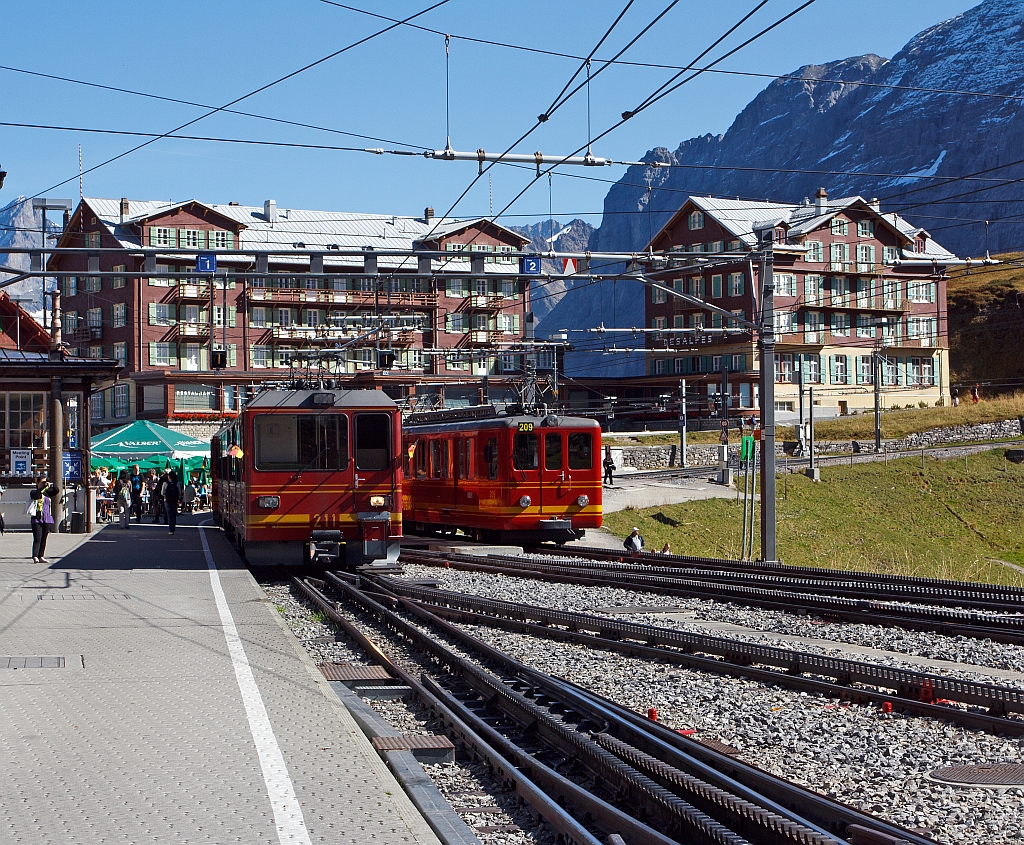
945, 522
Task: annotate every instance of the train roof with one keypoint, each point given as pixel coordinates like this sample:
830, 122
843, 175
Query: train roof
318, 399
548, 421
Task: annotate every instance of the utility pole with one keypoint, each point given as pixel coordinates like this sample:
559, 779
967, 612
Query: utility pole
876, 377
682, 424
800, 394
766, 342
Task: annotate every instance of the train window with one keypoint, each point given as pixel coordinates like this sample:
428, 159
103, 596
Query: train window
420, 457
438, 458
469, 458
581, 450
552, 451
373, 441
460, 471
301, 442
524, 451
491, 457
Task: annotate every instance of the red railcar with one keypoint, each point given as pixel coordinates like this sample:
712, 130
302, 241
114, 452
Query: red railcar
503, 478
311, 475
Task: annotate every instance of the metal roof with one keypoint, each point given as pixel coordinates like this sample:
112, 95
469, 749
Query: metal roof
296, 230
268, 399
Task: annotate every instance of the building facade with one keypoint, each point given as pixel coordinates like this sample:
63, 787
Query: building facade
376, 320
850, 283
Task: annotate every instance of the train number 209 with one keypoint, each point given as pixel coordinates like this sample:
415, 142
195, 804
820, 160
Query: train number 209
525, 426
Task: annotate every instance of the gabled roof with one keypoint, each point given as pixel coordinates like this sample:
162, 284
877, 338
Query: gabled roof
743, 218
455, 226
152, 214
296, 230
18, 325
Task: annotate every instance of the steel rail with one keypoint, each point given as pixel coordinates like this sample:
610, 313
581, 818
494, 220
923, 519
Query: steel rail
540, 792
913, 692
815, 811
1005, 629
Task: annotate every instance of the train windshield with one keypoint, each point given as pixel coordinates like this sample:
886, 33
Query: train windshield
301, 442
581, 450
373, 441
524, 451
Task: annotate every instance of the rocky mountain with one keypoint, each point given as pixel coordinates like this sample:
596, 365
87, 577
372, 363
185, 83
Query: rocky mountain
947, 105
20, 227
550, 235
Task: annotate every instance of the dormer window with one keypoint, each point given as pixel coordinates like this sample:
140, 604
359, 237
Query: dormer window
696, 220
919, 245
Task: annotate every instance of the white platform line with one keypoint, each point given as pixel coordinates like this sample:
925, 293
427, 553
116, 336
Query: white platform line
291, 828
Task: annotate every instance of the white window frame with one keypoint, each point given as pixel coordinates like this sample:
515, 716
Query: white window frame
695, 220
120, 401
785, 284
815, 252
258, 317
840, 374
121, 354
736, 284
119, 315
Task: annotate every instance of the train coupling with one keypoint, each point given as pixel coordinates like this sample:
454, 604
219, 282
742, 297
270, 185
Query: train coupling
324, 547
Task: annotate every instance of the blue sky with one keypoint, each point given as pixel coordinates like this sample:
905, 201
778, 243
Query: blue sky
392, 87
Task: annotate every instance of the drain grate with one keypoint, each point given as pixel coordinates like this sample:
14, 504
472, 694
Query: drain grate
994, 774
31, 662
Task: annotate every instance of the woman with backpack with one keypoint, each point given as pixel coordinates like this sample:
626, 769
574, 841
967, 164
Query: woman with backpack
41, 517
123, 499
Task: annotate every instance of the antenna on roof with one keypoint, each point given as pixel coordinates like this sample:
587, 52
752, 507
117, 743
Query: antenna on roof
81, 192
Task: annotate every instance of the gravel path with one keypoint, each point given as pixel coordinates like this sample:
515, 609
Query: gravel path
973, 654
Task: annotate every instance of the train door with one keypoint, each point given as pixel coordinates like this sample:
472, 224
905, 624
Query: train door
373, 474
555, 476
526, 466
464, 474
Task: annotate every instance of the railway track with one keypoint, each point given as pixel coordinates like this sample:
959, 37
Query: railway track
777, 592
588, 766
918, 693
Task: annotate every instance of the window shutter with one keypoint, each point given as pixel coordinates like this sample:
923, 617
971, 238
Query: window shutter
232, 316
831, 369
204, 358
809, 291
152, 353
203, 238
871, 254
901, 371
231, 240
705, 363
172, 237
232, 355
152, 314
448, 321
515, 323
716, 287
204, 315
152, 233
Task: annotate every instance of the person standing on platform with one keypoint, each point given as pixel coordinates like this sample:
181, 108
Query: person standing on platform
609, 466
170, 492
136, 480
41, 517
123, 499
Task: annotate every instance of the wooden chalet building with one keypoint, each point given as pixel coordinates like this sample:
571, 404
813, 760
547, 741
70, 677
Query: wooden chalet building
849, 280
446, 337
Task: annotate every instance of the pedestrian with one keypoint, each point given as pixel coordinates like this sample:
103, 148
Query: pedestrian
666, 549
634, 542
136, 482
975, 394
41, 517
170, 492
955, 394
123, 499
609, 466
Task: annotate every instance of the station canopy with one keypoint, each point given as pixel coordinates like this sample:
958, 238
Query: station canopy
140, 440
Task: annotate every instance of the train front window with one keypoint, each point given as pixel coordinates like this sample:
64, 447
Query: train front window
552, 451
524, 451
301, 442
373, 441
581, 450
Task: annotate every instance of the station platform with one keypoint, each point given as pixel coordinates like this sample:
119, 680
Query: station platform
150, 693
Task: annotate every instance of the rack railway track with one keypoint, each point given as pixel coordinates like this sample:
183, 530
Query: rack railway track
588, 766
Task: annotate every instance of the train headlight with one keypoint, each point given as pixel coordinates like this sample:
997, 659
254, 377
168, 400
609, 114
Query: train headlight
268, 502
525, 501
380, 501
583, 501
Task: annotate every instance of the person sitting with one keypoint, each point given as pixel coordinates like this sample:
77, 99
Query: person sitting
634, 542
666, 549
188, 500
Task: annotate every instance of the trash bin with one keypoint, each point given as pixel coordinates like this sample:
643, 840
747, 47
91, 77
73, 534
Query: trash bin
77, 522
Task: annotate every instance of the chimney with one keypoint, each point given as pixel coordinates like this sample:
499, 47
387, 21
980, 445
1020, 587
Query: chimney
428, 213
875, 205
67, 220
270, 211
124, 209
821, 200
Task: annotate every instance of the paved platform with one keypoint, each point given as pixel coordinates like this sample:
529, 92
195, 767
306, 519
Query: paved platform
171, 704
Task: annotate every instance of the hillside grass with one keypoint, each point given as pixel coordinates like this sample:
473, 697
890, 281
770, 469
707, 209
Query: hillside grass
947, 521
895, 424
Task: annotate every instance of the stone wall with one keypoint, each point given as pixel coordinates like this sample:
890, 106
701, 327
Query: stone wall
657, 457
198, 430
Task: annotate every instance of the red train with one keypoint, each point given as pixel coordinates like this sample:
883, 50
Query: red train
311, 475
507, 479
